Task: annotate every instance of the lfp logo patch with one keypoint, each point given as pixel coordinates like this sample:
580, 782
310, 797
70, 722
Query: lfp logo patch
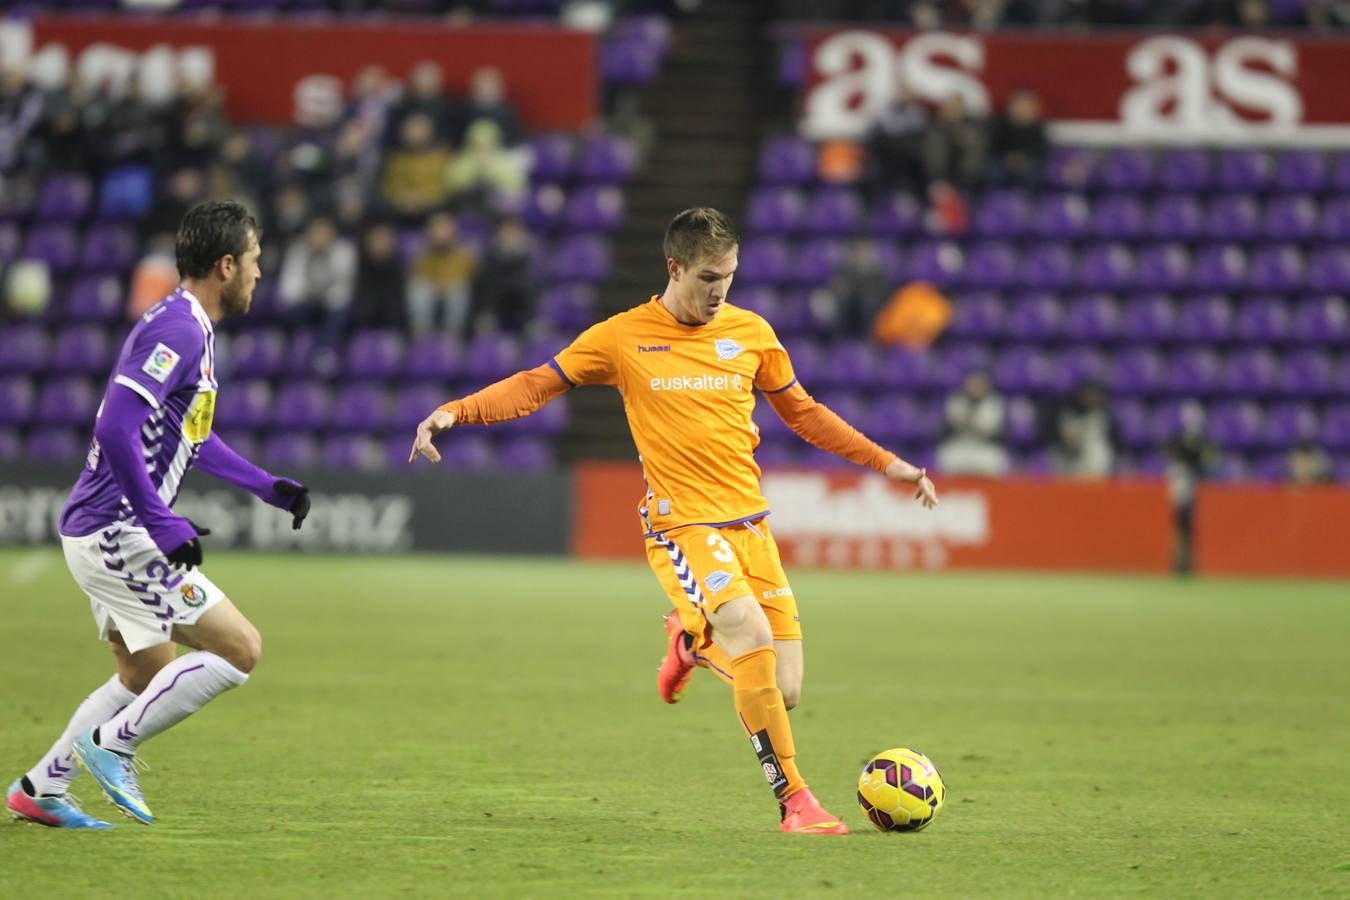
717, 580
727, 348
160, 363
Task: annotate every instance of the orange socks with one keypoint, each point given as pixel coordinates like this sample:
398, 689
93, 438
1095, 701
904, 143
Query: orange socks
715, 660
760, 706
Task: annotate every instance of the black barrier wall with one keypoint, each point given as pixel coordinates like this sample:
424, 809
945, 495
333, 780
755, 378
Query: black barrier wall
433, 509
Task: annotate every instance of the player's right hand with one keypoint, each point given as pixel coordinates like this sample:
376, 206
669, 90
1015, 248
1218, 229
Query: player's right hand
432, 425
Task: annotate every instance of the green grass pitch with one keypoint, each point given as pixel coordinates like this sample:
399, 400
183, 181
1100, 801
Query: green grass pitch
425, 726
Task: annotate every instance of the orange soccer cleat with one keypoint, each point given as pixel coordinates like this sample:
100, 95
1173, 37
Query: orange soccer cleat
678, 666
803, 815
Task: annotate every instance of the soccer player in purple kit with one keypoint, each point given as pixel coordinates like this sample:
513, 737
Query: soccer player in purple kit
128, 550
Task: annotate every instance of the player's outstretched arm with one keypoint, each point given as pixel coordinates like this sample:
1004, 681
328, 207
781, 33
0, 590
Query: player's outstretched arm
219, 460
822, 427
510, 398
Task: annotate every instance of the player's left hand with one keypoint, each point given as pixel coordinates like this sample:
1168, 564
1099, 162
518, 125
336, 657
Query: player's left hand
294, 498
926, 491
432, 425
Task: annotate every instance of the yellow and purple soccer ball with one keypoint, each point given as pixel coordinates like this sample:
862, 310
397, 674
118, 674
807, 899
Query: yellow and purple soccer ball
900, 790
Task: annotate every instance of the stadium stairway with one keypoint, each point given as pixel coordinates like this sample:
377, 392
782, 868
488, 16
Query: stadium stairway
711, 110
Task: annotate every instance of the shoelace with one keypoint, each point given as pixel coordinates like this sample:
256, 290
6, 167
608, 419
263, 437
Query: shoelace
131, 766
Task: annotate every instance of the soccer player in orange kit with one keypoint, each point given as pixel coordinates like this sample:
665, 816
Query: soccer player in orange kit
687, 363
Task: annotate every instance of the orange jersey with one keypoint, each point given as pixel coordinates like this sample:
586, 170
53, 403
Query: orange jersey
688, 391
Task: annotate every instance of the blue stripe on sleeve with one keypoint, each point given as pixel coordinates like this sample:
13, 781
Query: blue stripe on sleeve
784, 387
563, 375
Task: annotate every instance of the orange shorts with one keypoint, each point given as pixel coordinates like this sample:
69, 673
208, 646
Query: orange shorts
702, 567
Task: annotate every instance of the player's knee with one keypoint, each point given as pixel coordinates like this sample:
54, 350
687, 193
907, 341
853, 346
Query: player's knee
792, 694
244, 651
136, 678
743, 623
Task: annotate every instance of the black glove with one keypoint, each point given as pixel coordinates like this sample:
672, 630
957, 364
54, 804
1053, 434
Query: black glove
189, 554
294, 498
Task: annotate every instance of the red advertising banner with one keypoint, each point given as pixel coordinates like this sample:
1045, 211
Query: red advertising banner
1272, 530
859, 520
271, 70
1211, 87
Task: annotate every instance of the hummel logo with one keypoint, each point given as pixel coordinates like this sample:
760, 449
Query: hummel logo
653, 348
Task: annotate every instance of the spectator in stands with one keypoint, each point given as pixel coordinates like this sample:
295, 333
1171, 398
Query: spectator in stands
504, 289
238, 153
442, 274
487, 100
973, 444
382, 282
1326, 15
1191, 457
859, 288
1020, 143
291, 210
155, 276
375, 95
61, 143
185, 188
895, 142
356, 158
1308, 463
955, 145
1084, 439
414, 180
425, 97
484, 175
21, 109
134, 131
317, 277
199, 125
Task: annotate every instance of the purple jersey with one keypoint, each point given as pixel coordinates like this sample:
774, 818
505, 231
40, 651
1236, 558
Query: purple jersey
169, 360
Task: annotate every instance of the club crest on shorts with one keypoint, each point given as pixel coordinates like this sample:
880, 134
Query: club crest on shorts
193, 595
727, 348
717, 580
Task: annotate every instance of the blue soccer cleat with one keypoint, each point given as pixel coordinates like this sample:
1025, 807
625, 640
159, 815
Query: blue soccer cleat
115, 774
54, 812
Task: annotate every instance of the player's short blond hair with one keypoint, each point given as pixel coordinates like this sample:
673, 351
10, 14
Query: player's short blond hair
697, 234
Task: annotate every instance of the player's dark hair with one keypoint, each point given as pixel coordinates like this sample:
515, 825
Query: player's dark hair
699, 233
210, 230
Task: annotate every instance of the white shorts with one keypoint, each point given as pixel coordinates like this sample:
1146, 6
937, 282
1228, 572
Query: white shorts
132, 589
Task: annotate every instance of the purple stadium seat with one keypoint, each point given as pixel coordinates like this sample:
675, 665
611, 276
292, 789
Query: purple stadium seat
1324, 320
1176, 217
126, 193
1219, 267
434, 357
1106, 267
1244, 169
258, 353
1022, 369
787, 160
65, 197
245, 405
83, 349
771, 428
777, 455
352, 452
1335, 222
896, 214
1301, 170
1236, 425
543, 346
1289, 422
1069, 167
1194, 371
594, 208
1003, 214
1307, 372
56, 444
940, 262
525, 454
1137, 370
1034, 317
553, 157
23, 348
67, 400
607, 158
1340, 172
360, 407
544, 205
775, 209
1233, 217
977, 315
1148, 317
1292, 217
302, 405
1124, 169
17, 400
54, 243
491, 357
1276, 268
1336, 427
1132, 422
834, 211
1118, 217
1251, 372
109, 247
990, 264
412, 404
1047, 266
291, 450
1183, 169
816, 260
1329, 269
1092, 317
891, 258
628, 61
950, 365
11, 445
568, 307
1020, 427
1065, 216
95, 298
758, 298
468, 449
854, 364
1262, 320
1078, 365
11, 241
1204, 319
902, 368
764, 260
581, 257
1272, 467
